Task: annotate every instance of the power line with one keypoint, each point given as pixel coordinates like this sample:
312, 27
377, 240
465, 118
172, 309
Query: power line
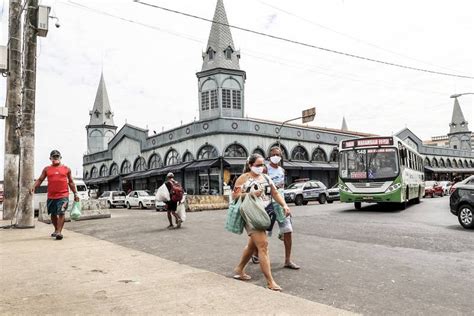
283, 39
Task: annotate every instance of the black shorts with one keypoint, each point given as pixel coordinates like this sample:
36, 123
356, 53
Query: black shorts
171, 206
57, 206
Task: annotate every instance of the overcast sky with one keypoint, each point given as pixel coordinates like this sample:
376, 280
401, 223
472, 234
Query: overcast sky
150, 70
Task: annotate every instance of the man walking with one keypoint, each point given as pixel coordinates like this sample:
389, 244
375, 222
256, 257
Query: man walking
59, 178
176, 194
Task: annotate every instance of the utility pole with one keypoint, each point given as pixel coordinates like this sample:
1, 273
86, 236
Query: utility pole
12, 140
27, 130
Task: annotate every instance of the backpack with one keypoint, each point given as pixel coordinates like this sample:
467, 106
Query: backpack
177, 192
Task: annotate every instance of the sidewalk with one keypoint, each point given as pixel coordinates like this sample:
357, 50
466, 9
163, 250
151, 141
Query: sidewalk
85, 275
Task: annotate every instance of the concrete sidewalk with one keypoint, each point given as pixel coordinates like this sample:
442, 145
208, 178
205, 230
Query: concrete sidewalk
85, 275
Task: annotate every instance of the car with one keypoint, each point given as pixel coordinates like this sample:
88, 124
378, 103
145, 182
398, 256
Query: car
446, 185
468, 180
303, 191
139, 198
432, 188
461, 204
333, 193
113, 198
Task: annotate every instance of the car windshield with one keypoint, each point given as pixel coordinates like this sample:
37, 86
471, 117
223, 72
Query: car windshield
143, 193
81, 187
297, 185
372, 164
105, 194
118, 194
430, 183
336, 186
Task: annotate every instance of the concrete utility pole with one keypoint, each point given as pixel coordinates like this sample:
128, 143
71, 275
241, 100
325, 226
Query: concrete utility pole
12, 140
27, 144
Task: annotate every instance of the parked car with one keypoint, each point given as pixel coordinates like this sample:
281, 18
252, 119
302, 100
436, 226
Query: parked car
303, 191
139, 198
468, 180
446, 185
432, 188
461, 204
333, 193
114, 198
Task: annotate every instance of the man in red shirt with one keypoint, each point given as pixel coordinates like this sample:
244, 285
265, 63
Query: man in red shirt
59, 178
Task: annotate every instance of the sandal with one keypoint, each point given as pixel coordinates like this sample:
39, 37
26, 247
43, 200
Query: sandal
255, 260
275, 288
242, 277
292, 266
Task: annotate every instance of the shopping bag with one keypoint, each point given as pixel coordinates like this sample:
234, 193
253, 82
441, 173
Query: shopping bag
234, 222
181, 211
254, 213
75, 211
162, 194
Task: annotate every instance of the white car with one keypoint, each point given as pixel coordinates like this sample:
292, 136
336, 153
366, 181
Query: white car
446, 185
113, 198
139, 198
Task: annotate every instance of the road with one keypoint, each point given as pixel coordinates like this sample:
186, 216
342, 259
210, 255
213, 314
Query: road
372, 261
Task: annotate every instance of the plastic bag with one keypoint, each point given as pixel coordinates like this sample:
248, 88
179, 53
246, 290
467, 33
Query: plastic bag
75, 211
162, 195
234, 222
254, 213
181, 211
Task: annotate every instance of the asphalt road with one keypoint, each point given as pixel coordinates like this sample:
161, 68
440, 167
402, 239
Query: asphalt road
373, 261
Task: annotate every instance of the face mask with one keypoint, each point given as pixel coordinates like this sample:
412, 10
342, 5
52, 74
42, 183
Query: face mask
257, 170
55, 161
275, 159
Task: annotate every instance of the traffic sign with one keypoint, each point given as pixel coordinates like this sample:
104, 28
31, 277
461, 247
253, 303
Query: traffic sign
308, 115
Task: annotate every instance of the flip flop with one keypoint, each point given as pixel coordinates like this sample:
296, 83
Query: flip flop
276, 289
244, 277
292, 266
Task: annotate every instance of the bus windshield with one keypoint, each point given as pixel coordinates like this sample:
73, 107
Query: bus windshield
371, 164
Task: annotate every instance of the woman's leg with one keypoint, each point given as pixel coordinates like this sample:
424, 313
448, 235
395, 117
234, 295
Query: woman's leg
260, 240
248, 251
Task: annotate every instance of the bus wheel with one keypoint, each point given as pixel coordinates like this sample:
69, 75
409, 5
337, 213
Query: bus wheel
417, 200
357, 205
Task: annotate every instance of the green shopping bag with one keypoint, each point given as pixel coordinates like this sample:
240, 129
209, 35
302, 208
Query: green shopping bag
234, 221
75, 211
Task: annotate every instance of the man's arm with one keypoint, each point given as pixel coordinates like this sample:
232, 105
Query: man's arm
72, 185
39, 181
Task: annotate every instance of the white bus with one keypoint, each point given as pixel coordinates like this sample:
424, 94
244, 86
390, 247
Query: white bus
41, 193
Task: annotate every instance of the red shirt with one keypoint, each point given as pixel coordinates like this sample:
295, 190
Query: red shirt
57, 182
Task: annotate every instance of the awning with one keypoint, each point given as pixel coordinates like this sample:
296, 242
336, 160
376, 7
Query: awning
136, 175
235, 162
203, 164
304, 165
449, 170
173, 168
101, 180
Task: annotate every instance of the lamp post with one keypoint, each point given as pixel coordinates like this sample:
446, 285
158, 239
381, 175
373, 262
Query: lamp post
454, 96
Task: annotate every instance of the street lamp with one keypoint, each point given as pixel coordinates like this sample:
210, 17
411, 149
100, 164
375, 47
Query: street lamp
460, 94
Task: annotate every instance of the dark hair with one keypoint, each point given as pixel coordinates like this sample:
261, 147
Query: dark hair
250, 161
281, 153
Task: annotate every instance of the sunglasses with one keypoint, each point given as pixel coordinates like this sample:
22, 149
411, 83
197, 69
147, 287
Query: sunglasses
55, 157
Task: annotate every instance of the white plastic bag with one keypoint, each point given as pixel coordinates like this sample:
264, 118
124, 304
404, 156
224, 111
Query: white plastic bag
162, 195
181, 211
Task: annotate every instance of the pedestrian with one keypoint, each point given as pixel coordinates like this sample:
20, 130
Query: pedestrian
59, 178
253, 182
173, 187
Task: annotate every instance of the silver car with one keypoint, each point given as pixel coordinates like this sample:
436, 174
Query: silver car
302, 192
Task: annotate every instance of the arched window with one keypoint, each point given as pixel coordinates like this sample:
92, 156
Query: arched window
460, 163
259, 151
448, 163
455, 163
319, 155
188, 157
126, 167
139, 164
154, 162
228, 52
86, 175
334, 155
207, 152
441, 163
434, 162
299, 153
104, 171
172, 157
209, 95
427, 162
284, 152
114, 170
466, 164
94, 172
211, 53
235, 150
472, 164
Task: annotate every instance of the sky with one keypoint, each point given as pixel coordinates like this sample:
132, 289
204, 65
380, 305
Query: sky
149, 65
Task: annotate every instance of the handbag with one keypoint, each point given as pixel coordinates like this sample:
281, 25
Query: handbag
75, 211
253, 212
234, 222
181, 211
162, 194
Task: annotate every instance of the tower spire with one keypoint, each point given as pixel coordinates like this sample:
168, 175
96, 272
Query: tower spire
101, 113
344, 124
458, 122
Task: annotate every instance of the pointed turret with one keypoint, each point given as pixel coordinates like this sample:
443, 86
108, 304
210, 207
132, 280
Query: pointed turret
220, 50
459, 134
344, 125
101, 128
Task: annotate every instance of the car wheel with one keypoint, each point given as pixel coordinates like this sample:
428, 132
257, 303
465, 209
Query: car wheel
305, 202
128, 205
109, 204
465, 216
140, 205
322, 199
330, 201
357, 205
299, 200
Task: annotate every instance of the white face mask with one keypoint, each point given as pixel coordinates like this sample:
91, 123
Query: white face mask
257, 170
275, 159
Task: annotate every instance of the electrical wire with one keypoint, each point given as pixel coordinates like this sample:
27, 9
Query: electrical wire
283, 39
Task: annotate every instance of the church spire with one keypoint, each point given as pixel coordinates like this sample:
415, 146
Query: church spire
458, 123
220, 50
101, 113
344, 125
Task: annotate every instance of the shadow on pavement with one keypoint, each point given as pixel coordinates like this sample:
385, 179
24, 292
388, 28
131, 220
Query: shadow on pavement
460, 228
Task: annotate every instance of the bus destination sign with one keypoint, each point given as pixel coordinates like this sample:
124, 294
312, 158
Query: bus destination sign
366, 142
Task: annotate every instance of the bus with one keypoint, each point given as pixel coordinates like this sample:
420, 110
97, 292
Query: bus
380, 170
